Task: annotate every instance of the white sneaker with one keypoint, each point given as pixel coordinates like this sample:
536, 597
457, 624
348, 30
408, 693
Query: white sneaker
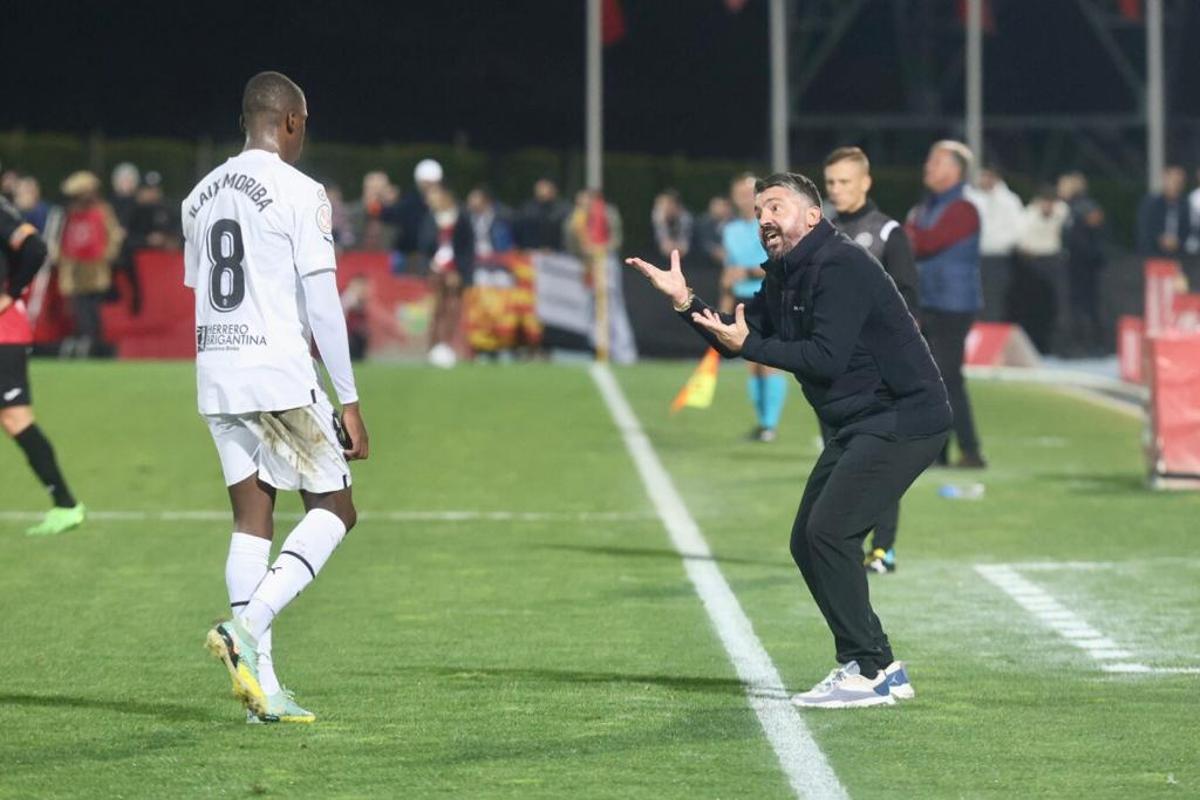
443, 356
845, 687
898, 683
829, 680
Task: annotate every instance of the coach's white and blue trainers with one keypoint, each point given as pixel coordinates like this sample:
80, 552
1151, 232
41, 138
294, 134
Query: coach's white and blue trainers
845, 687
898, 683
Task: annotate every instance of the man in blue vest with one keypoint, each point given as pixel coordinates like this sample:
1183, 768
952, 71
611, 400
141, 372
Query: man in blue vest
944, 231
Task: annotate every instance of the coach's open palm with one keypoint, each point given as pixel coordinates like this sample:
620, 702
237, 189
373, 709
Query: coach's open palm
356, 429
668, 281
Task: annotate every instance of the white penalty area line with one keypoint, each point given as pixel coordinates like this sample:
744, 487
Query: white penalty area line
1065, 622
212, 515
807, 769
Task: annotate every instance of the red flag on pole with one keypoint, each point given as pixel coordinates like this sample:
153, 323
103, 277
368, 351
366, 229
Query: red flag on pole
612, 22
1130, 9
989, 19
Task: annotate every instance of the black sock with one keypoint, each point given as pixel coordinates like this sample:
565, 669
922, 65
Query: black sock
41, 459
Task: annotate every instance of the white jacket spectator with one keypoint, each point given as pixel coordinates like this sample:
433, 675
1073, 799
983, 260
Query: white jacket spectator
1000, 213
1042, 227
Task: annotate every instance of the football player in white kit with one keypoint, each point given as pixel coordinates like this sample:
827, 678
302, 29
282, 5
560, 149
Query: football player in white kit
259, 255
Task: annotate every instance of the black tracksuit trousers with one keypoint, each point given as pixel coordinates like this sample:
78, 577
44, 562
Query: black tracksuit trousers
888, 524
857, 478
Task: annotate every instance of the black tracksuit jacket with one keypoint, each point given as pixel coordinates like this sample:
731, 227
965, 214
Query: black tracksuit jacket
829, 314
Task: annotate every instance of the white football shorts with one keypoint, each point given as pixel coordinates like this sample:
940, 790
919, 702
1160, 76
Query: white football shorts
291, 450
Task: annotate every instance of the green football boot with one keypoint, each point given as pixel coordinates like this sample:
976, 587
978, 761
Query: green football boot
59, 520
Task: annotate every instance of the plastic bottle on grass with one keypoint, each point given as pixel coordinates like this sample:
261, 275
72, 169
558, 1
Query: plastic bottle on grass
968, 491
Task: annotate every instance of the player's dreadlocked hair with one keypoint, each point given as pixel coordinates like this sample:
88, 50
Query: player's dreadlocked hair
269, 96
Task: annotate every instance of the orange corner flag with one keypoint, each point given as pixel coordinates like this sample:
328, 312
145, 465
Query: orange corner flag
699, 389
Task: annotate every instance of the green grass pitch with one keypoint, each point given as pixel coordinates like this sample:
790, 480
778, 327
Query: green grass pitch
565, 654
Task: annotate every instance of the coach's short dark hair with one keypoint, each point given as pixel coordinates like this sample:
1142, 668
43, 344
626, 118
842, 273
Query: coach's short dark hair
793, 181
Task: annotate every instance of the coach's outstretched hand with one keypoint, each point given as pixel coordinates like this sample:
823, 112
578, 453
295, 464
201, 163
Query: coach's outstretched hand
357, 431
732, 336
668, 281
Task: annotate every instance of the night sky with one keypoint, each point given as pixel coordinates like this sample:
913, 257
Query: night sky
690, 77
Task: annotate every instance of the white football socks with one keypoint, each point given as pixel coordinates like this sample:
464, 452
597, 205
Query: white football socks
304, 552
244, 570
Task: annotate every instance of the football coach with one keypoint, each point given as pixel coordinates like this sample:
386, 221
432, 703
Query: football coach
829, 314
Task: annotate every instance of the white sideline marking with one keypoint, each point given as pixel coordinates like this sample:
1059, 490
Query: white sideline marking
1063, 621
806, 767
212, 515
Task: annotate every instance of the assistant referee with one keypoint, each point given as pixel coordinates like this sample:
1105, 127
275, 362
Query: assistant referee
829, 314
847, 186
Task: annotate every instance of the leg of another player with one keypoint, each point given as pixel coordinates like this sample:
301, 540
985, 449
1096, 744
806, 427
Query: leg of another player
330, 516
249, 553
19, 423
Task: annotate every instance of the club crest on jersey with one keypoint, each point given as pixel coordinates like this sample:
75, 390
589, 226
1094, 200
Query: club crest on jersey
865, 239
325, 218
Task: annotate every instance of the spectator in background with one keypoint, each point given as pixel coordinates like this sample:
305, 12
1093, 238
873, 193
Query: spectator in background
944, 231
9, 179
595, 232
91, 240
594, 224
672, 224
154, 225
1000, 212
709, 229
410, 213
343, 231
368, 216
540, 222
491, 223
1039, 290
355, 297
29, 202
1084, 243
126, 178
1163, 219
447, 240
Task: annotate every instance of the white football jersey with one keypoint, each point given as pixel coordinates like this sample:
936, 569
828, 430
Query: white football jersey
253, 228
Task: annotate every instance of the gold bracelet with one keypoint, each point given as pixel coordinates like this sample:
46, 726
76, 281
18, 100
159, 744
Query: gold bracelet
691, 298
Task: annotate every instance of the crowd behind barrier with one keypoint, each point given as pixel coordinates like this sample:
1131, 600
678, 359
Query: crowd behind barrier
428, 274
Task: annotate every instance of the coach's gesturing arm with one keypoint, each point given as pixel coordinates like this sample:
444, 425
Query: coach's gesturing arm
719, 330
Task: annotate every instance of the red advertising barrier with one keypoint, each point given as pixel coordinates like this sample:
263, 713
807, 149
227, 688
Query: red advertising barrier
1164, 280
1131, 332
1185, 313
1173, 367
164, 327
999, 344
397, 309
